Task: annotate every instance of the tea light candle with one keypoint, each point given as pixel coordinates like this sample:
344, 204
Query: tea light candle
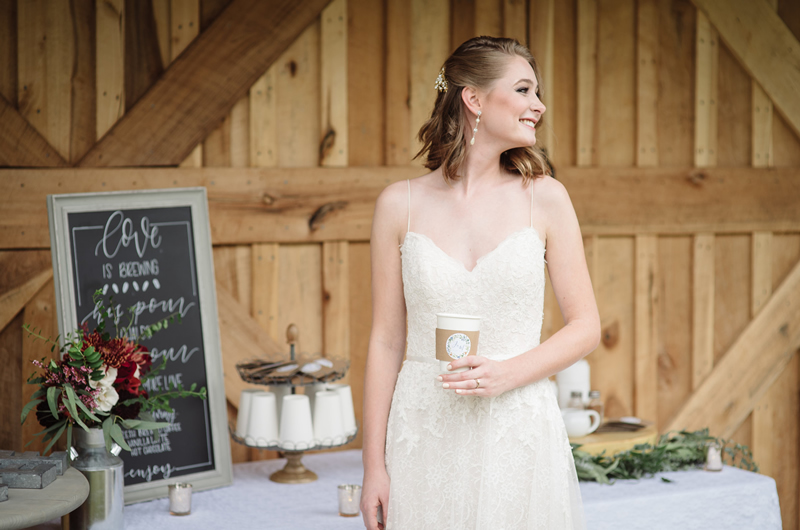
713, 458
180, 499
349, 499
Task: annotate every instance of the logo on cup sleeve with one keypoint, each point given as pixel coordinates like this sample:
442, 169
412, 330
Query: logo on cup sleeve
458, 345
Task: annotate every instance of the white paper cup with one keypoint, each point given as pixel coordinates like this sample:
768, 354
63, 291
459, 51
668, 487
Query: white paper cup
346, 401
297, 431
311, 392
243, 414
456, 322
262, 428
280, 392
328, 426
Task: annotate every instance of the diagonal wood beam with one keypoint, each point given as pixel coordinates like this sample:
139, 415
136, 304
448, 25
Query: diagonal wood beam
20, 144
765, 47
725, 398
13, 301
203, 83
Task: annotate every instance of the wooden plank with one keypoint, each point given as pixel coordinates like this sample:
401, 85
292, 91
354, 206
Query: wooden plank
676, 64
754, 361
761, 289
647, 54
336, 299
366, 70
277, 205
242, 339
488, 17
462, 22
646, 317
264, 120
21, 145
334, 64
300, 294
202, 85
616, 59
184, 28
39, 313
563, 118
110, 48
587, 81
706, 93
15, 300
429, 48
732, 290
761, 147
210, 10
265, 289
12, 377
81, 79
764, 45
515, 20
360, 324
297, 86
144, 63
240, 133
703, 308
541, 37
398, 70
8, 51
675, 325
216, 148
612, 363
734, 134
162, 11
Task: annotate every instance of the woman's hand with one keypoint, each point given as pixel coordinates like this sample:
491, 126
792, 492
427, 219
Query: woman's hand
375, 493
495, 377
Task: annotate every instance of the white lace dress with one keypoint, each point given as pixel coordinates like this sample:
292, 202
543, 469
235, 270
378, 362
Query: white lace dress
465, 462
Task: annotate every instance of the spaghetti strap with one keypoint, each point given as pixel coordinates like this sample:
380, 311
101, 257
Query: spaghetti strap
531, 203
408, 229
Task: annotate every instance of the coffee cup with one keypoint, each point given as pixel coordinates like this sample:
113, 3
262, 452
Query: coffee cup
456, 338
580, 422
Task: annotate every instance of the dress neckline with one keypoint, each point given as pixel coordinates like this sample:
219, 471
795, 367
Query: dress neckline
511, 236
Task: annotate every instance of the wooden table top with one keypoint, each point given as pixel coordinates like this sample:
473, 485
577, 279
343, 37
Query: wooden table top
614, 442
26, 507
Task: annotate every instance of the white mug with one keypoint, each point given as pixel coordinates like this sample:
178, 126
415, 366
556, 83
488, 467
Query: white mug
580, 422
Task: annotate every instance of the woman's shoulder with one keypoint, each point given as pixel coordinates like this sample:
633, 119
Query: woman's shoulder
550, 194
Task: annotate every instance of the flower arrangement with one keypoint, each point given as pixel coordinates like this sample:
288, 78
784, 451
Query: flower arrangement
98, 382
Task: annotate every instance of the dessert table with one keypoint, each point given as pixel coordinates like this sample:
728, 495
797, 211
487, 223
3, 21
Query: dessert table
732, 498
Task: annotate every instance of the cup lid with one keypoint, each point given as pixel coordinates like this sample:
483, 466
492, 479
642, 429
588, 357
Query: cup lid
456, 315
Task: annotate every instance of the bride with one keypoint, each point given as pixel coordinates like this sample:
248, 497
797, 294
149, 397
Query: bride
485, 448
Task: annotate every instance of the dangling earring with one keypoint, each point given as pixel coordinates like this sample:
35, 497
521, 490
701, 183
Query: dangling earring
475, 130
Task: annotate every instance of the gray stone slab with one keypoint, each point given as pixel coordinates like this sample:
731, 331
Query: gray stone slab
12, 459
3, 492
28, 476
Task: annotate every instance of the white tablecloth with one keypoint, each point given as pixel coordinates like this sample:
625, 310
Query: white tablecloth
730, 499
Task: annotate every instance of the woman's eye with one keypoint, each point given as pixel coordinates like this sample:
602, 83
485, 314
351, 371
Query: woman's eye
523, 90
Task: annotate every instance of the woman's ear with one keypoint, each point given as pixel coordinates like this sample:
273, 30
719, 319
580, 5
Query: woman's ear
471, 100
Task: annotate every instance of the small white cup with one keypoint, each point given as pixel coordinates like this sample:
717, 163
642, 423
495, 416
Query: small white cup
455, 322
262, 427
348, 412
580, 422
280, 392
297, 431
311, 392
328, 425
245, 398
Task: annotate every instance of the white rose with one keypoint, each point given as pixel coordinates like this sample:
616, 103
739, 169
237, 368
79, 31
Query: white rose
108, 396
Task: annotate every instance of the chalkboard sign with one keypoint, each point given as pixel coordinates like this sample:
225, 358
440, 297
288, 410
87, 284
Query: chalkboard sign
151, 250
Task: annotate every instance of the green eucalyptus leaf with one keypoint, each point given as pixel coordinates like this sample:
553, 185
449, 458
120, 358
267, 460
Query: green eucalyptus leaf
27, 408
116, 434
52, 395
56, 436
107, 431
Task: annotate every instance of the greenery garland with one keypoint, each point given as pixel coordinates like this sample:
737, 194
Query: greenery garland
675, 451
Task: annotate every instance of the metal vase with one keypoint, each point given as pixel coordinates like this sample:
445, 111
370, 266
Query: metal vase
102, 510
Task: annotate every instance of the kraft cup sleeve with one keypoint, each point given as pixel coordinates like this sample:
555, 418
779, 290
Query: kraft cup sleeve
441, 339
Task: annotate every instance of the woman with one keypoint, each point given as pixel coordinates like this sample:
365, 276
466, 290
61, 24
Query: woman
485, 448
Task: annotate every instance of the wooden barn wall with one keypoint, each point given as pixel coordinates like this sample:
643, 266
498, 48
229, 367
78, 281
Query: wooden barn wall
627, 83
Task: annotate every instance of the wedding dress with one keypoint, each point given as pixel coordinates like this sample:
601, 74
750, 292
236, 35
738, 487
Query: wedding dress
467, 462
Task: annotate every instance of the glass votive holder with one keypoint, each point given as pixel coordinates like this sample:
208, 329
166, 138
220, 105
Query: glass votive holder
713, 458
349, 499
180, 498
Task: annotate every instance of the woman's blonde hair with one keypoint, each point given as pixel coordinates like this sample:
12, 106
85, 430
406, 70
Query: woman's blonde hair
477, 63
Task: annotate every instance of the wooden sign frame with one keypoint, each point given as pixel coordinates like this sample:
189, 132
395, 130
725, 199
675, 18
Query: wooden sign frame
59, 208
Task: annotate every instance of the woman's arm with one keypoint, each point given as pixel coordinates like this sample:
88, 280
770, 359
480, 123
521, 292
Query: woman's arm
386, 343
569, 276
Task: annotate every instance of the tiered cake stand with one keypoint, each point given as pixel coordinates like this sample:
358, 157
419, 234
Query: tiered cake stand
291, 374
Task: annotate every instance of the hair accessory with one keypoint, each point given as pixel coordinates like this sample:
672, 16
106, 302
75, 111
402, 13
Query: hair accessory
441, 82
475, 130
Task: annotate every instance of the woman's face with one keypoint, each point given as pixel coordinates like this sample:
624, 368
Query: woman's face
511, 107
